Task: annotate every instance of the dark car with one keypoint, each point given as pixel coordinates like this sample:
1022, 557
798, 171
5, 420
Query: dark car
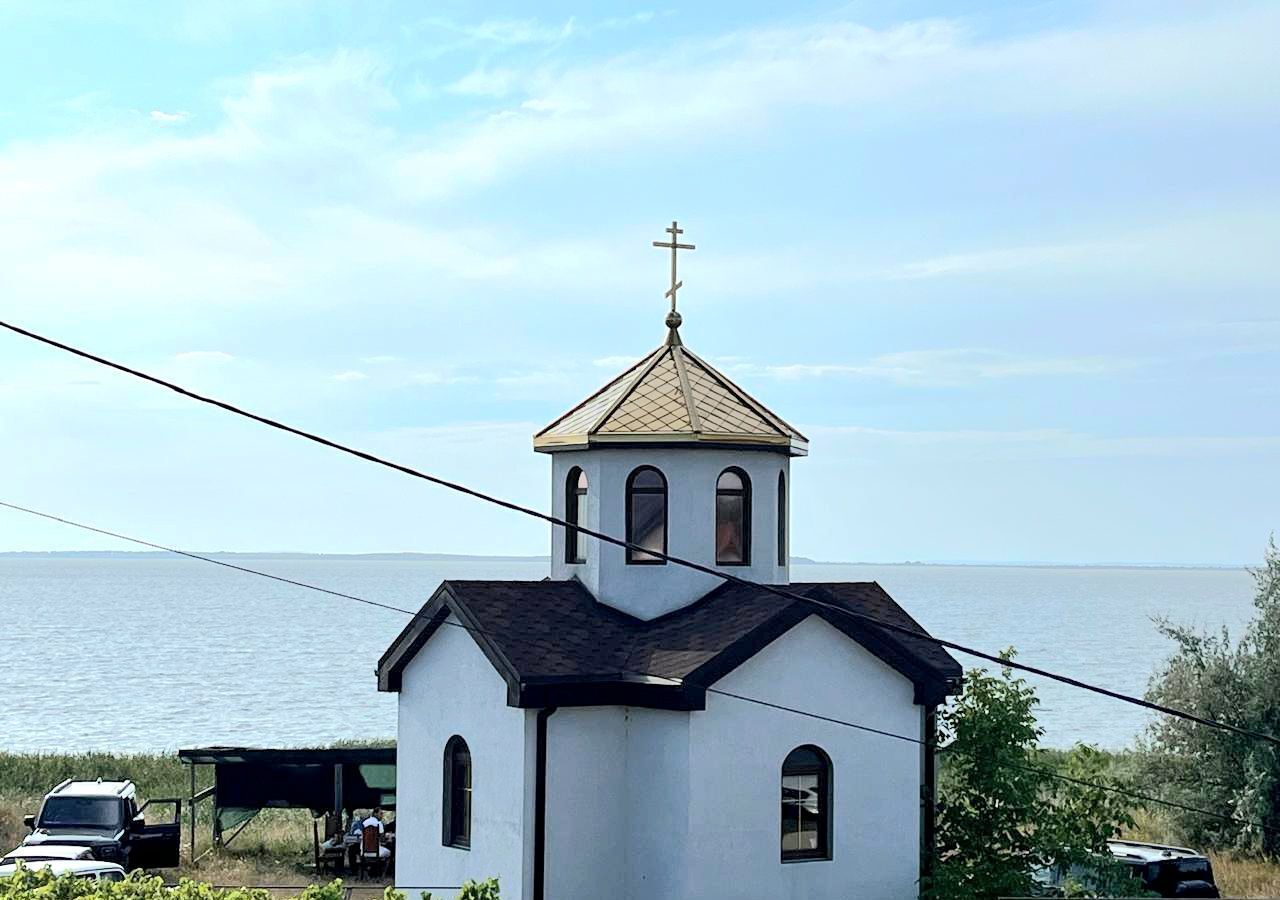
104, 816
1168, 871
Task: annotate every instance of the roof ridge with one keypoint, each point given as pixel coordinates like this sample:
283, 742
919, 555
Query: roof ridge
746, 399
643, 371
677, 357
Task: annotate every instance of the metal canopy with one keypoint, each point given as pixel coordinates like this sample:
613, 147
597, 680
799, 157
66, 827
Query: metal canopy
249, 779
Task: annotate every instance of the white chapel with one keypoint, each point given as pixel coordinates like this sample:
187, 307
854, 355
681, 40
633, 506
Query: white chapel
616, 731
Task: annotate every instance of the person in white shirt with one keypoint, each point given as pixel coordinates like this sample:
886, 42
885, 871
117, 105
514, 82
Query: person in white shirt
375, 821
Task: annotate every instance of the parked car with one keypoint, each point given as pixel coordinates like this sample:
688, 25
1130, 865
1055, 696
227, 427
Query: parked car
1169, 871
81, 868
104, 816
45, 853
1165, 871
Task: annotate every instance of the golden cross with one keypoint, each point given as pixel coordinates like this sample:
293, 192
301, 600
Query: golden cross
674, 245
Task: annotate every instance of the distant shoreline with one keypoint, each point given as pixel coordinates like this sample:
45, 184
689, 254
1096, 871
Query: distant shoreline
481, 558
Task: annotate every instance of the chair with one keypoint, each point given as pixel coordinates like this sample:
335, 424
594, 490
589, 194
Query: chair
371, 851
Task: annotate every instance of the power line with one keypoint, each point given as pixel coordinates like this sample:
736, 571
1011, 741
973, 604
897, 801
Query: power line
858, 726
687, 563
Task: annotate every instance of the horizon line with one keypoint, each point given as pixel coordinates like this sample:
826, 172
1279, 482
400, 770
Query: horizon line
516, 557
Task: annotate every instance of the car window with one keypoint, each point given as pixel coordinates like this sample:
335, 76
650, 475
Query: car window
81, 812
113, 875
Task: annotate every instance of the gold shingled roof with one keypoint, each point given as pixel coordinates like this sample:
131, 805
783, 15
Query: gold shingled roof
670, 397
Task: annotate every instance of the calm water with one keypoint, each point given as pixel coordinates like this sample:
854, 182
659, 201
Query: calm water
155, 654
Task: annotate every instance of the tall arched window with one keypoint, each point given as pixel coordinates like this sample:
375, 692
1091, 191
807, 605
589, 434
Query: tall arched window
782, 518
456, 805
806, 805
733, 518
575, 507
646, 515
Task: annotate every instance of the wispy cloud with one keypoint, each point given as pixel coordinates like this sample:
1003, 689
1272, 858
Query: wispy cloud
203, 356
351, 375
942, 368
1044, 443
169, 118
1001, 260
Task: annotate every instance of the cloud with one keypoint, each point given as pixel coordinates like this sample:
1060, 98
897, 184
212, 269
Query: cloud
485, 82
350, 376
1043, 443
203, 356
615, 362
942, 368
985, 262
748, 82
169, 118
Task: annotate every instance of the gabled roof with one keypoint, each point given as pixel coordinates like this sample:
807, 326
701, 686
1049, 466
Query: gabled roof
671, 396
555, 645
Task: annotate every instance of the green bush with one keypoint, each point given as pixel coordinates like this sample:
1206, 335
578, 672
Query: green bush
1236, 681
33, 884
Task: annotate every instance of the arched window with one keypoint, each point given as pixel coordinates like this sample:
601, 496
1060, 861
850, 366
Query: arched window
457, 794
733, 518
646, 515
782, 518
575, 507
806, 805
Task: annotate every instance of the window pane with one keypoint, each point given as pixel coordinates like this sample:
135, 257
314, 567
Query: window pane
647, 478
790, 817
803, 758
730, 536
577, 541
729, 481
648, 524
782, 520
582, 480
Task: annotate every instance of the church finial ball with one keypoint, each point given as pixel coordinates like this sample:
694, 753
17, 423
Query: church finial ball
674, 319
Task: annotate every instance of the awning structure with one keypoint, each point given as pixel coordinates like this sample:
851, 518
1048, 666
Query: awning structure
249, 779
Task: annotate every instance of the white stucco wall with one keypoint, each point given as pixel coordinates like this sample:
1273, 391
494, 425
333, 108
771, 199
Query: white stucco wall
617, 807
451, 688
736, 753
691, 473
646, 804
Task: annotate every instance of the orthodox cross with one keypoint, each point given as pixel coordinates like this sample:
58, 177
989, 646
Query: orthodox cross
673, 317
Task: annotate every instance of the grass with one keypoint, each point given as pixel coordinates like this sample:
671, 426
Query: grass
274, 848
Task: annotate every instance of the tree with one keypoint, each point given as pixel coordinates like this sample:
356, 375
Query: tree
1237, 682
1002, 813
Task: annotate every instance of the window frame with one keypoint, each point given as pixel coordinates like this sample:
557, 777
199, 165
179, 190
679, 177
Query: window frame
826, 782
574, 497
459, 840
745, 493
784, 557
631, 555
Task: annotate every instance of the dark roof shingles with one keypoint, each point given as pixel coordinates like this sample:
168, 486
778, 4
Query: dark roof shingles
557, 630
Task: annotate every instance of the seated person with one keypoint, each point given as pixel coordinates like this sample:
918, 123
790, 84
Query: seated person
375, 821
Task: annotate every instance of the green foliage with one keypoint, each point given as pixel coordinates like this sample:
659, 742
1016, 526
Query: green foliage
483, 890
1237, 682
28, 884
1002, 814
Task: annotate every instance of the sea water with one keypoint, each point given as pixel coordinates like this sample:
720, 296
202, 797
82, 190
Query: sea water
152, 654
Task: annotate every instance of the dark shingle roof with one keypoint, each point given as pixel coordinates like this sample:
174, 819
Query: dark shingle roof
556, 645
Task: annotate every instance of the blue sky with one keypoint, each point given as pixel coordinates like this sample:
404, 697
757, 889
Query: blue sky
1012, 267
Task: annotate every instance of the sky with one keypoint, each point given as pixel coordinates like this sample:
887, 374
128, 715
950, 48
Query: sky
1012, 267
